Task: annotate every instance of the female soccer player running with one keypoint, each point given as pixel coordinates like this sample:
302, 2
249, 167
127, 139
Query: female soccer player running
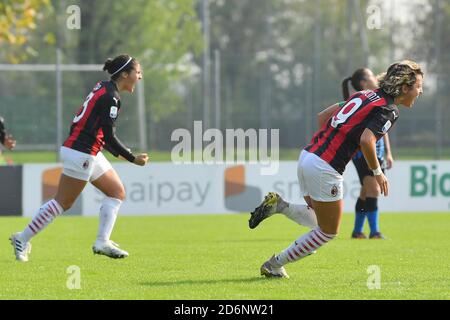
364, 119
92, 129
367, 203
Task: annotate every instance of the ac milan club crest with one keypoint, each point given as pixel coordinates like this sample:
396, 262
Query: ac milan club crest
86, 164
334, 191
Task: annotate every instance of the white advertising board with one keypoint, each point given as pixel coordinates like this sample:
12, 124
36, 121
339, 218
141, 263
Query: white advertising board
165, 188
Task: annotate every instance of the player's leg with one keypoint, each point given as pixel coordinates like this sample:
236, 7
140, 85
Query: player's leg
372, 194
302, 214
273, 203
329, 215
68, 190
360, 216
360, 213
71, 184
325, 188
110, 184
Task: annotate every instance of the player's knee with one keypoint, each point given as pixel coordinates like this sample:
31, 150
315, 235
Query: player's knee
331, 231
66, 204
373, 190
119, 193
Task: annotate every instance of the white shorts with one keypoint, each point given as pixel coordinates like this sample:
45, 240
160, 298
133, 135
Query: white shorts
83, 166
318, 179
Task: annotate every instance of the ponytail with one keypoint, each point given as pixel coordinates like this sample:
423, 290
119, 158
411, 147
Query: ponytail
345, 91
358, 76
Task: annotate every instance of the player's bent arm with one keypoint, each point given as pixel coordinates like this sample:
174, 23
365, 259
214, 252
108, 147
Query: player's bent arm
141, 159
324, 115
368, 148
115, 146
118, 149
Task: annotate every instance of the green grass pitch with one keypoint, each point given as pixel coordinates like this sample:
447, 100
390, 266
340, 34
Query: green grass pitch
204, 257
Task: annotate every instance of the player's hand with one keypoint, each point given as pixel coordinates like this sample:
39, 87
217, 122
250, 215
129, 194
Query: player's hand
141, 159
383, 183
389, 162
9, 142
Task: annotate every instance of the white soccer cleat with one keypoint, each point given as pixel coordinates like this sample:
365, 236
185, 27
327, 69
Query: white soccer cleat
109, 249
21, 249
271, 270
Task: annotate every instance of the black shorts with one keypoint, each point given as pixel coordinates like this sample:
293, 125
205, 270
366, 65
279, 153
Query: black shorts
363, 169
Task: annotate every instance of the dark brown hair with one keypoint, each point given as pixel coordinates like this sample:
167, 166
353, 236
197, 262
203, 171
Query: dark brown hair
122, 63
355, 79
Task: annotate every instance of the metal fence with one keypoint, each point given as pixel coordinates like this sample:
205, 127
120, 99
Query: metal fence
241, 90
39, 102
31, 112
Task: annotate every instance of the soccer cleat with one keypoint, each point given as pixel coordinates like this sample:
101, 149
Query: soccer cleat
266, 209
358, 235
377, 235
270, 270
21, 249
109, 249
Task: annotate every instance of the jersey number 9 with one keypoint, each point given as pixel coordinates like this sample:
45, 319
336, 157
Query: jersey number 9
346, 111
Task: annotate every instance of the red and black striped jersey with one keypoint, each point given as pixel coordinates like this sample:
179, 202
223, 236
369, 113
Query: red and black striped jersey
100, 108
339, 139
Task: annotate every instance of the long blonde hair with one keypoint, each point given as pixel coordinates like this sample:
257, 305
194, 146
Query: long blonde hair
399, 74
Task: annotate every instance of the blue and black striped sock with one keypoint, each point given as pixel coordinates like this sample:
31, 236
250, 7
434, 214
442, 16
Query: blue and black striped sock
360, 216
372, 214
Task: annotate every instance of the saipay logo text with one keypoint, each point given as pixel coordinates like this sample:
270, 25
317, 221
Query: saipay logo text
427, 181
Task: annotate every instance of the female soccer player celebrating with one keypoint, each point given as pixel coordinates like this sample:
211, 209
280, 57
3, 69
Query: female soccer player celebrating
364, 119
92, 129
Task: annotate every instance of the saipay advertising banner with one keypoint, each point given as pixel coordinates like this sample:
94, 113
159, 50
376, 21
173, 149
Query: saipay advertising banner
165, 188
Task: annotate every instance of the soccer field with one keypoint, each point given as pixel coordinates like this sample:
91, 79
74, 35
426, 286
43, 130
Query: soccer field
218, 257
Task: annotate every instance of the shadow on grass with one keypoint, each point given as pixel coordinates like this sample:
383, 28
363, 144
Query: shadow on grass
197, 282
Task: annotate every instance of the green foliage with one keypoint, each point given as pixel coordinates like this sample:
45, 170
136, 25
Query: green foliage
163, 35
18, 18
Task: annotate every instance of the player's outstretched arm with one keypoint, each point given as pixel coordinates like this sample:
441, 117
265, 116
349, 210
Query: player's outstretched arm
115, 146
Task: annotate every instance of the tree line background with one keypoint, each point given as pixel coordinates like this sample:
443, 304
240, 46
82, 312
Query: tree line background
273, 63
